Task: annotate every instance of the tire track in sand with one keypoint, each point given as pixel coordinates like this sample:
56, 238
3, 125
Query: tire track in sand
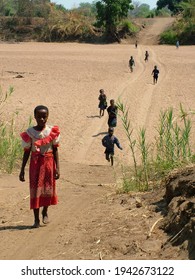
86, 153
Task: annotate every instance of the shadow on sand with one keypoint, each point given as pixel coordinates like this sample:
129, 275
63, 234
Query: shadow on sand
14, 228
92, 117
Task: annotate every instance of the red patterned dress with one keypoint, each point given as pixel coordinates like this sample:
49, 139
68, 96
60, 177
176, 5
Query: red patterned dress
42, 164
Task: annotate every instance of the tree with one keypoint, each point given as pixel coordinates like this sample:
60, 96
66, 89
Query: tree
88, 9
165, 12
171, 4
140, 10
188, 8
110, 13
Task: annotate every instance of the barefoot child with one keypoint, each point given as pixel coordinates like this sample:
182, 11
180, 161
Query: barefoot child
108, 142
41, 143
102, 102
112, 114
155, 74
146, 56
131, 63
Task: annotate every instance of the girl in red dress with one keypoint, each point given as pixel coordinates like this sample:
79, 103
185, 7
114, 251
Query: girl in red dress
41, 142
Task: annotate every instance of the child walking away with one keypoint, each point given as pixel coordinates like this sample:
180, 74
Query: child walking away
41, 143
155, 73
108, 142
112, 114
131, 63
177, 44
102, 102
146, 56
136, 44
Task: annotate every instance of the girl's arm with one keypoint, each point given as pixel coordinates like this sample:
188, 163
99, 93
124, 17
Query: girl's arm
56, 158
24, 162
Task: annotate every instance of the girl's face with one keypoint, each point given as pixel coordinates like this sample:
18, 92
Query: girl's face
41, 117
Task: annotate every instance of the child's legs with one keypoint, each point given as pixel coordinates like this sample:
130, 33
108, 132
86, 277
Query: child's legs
45, 215
44, 212
107, 156
36, 214
36, 218
112, 159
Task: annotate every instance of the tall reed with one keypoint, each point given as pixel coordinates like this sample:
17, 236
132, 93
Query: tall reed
144, 149
10, 147
4, 96
170, 148
128, 130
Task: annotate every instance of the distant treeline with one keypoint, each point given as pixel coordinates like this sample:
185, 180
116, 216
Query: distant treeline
43, 20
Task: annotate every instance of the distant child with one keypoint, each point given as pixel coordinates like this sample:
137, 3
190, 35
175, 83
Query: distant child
177, 44
108, 142
136, 44
146, 56
102, 102
41, 142
155, 73
131, 63
112, 114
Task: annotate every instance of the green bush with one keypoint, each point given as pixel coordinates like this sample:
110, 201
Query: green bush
128, 26
169, 37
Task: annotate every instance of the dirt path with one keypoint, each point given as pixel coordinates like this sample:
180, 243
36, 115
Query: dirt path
91, 220
153, 27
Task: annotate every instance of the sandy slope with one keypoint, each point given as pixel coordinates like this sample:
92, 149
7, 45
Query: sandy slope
90, 221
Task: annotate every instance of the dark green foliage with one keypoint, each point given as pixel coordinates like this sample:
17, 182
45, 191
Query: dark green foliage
110, 13
184, 29
169, 37
171, 4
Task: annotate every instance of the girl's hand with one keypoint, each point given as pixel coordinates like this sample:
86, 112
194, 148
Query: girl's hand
21, 176
57, 174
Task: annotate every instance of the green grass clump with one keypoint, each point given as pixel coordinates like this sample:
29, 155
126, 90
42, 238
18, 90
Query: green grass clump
10, 147
10, 144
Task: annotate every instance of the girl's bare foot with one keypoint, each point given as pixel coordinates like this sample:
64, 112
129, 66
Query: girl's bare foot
45, 218
36, 224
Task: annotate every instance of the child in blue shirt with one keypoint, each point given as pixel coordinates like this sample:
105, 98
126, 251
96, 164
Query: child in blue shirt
108, 142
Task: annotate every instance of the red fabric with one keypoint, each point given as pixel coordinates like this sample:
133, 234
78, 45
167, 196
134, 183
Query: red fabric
53, 135
25, 137
42, 182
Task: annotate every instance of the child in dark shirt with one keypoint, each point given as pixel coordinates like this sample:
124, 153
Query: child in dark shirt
108, 142
131, 63
155, 73
146, 56
112, 114
102, 102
